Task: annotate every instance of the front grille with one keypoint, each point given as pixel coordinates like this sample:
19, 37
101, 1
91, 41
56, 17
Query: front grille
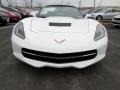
115, 23
60, 24
116, 18
59, 58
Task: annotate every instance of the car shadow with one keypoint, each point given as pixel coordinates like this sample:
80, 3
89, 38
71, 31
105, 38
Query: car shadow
66, 71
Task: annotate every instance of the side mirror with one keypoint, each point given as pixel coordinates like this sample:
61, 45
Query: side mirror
37, 15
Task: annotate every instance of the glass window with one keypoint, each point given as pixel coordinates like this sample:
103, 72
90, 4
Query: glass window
63, 11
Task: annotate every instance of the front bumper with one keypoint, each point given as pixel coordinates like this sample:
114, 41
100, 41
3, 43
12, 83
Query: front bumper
89, 16
116, 22
3, 19
18, 44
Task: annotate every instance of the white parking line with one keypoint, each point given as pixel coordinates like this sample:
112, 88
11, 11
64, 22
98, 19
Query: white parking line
116, 44
5, 27
107, 23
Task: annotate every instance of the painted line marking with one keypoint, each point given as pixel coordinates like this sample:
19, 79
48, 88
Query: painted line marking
116, 44
6, 27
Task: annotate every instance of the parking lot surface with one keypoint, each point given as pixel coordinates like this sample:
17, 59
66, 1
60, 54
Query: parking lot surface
15, 75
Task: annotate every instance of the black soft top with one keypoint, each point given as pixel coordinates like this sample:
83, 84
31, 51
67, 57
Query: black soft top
59, 6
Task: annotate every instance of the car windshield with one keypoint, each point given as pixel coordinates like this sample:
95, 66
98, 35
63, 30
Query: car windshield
101, 11
62, 11
2, 9
15, 9
9, 9
95, 11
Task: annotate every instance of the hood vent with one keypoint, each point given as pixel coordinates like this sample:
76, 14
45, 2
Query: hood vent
60, 24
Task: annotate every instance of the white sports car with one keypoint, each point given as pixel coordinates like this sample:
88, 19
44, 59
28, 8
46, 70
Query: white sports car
59, 37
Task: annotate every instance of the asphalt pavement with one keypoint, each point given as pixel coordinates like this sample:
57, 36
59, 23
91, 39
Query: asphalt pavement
15, 75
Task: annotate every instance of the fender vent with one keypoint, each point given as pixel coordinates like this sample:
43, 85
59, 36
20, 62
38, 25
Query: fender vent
60, 24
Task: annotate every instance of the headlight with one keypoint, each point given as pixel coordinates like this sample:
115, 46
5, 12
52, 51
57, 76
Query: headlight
100, 33
19, 30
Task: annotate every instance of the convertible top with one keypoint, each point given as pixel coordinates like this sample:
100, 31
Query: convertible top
60, 6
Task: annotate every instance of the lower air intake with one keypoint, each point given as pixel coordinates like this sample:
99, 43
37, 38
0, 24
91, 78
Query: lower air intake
59, 58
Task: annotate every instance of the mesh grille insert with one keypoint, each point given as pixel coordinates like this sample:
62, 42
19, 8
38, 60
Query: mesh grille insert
59, 58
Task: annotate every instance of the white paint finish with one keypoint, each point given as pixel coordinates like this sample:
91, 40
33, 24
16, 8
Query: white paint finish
73, 41
42, 25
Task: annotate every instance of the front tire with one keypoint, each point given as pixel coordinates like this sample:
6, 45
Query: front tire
99, 18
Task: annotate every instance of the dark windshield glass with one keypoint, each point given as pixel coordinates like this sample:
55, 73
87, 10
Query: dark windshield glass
62, 11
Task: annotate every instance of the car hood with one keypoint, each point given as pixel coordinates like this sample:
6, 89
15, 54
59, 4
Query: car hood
47, 38
2, 14
118, 16
59, 24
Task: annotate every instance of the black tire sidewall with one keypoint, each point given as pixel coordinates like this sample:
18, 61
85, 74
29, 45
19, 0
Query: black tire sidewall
99, 18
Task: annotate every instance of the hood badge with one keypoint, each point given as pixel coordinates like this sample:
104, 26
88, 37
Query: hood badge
60, 40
